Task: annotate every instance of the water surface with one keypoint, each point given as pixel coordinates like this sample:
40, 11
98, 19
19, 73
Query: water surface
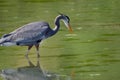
90, 53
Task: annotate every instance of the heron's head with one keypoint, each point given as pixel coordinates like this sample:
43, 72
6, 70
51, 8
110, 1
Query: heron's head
66, 21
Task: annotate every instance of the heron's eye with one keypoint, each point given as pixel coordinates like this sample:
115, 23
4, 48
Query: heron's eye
68, 18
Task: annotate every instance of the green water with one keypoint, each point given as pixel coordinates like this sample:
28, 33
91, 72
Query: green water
92, 52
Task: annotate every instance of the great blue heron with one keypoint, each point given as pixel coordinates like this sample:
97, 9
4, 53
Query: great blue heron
33, 33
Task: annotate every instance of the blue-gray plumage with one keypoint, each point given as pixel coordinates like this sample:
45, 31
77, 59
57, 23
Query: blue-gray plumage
33, 33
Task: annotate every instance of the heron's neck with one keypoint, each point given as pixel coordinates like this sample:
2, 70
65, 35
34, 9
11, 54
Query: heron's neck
57, 24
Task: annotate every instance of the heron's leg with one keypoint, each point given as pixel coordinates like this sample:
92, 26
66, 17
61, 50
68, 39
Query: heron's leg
26, 55
38, 54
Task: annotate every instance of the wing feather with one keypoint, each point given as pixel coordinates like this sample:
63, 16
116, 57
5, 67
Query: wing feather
30, 32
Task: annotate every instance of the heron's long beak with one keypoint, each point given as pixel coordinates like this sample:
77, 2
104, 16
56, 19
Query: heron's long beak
70, 28
68, 25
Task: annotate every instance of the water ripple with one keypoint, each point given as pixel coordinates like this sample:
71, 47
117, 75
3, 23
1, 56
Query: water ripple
111, 34
98, 40
71, 35
111, 60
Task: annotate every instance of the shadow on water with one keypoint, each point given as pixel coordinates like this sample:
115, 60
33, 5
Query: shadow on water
30, 73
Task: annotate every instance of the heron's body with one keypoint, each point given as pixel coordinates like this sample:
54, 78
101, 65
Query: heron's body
33, 33
29, 34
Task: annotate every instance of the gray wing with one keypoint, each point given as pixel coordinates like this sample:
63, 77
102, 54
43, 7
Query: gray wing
30, 32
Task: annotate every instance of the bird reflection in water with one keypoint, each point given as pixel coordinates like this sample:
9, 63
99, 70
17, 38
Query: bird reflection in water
31, 73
